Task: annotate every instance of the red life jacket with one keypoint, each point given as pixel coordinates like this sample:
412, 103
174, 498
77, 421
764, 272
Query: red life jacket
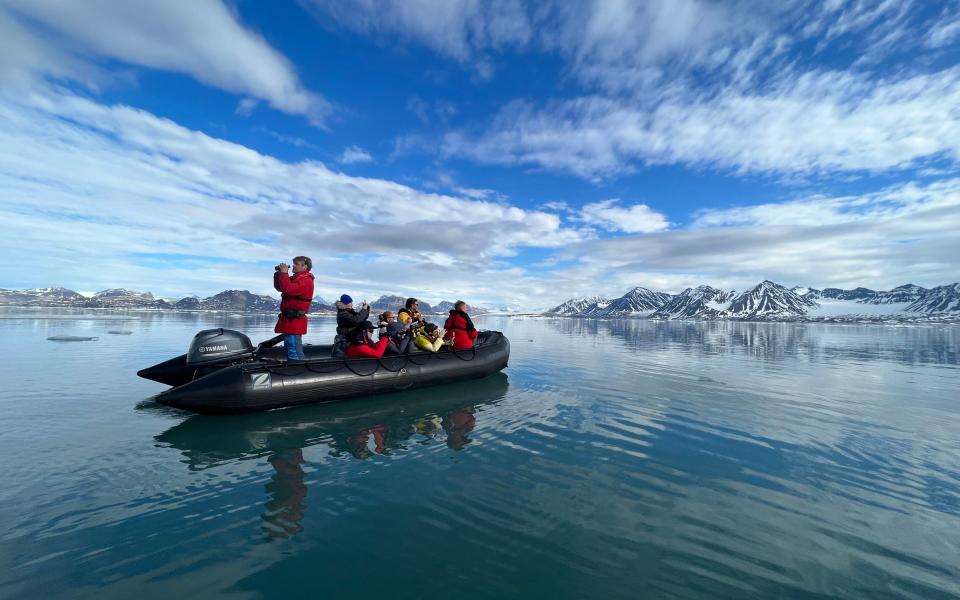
458, 328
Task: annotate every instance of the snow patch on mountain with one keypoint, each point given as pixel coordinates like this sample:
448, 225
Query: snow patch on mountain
903, 294
576, 306
699, 302
637, 302
769, 299
859, 293
942, 299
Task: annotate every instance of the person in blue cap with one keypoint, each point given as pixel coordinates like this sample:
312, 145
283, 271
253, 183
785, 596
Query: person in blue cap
348, 320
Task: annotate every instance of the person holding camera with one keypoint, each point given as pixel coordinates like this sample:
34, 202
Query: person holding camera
362, 344
410, 313
398, 334
430, 338
348, 322
296, 294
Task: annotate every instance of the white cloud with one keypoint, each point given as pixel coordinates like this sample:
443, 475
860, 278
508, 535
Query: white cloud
454, 28
354, 154
478, 193
747, 86
906, 233
202, 39
637, 218
944, 32
814, 122
246, 106
114, 196
107, 196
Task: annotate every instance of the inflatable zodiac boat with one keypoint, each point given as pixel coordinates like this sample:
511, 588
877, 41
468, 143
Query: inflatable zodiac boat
224, 373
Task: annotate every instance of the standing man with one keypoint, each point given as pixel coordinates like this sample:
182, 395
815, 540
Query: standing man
296, 293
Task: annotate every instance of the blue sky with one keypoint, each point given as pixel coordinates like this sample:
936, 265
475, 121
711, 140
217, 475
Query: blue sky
507, 152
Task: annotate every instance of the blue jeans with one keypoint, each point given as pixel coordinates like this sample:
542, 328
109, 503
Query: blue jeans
293, 344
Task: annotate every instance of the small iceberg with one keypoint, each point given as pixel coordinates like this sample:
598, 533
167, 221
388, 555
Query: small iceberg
72, 338
119, 332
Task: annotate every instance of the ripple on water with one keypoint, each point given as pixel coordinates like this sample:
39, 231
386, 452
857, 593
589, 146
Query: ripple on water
617, 459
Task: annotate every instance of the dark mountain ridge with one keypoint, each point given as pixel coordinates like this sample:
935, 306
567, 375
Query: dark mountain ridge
227, 300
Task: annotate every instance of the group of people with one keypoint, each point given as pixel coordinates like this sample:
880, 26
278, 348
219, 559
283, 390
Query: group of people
397, 332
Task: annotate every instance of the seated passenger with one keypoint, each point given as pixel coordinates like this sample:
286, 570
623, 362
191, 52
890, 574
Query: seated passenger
460, 327
347, 322
362, 344
429, 338
396, 333
410, 313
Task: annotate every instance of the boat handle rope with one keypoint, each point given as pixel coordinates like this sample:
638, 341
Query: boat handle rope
398, 369
429, 355
376, 368
457, 353
308, 365
336, 367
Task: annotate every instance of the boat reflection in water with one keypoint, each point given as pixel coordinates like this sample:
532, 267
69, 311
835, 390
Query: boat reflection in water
359, 428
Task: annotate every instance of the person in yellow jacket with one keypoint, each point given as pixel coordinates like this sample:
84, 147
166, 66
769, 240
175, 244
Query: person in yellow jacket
429, 338
410, 313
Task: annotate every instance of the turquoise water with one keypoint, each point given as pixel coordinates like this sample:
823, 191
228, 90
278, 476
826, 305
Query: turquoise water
613, 459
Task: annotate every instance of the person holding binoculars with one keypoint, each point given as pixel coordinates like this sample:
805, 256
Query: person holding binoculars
296, 294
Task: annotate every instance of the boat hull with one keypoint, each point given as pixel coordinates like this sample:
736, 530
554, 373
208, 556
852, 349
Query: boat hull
269, 384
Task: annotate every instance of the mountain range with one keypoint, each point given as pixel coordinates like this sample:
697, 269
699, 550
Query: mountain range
769, 300
228, 300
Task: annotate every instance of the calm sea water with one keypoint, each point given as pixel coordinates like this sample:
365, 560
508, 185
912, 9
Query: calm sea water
613, 459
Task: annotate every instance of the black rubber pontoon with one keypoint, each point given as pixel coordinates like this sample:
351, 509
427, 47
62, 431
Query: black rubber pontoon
223, 373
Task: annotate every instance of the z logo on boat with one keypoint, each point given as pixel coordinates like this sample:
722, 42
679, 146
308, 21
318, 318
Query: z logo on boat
260, 381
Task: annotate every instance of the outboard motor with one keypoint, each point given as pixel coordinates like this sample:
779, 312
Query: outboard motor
218, 346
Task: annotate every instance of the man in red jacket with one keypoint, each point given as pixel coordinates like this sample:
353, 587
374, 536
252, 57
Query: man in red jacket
459, 327
296, 293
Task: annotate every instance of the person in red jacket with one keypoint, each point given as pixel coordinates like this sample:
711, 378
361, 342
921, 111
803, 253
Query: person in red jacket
460, 327
296, 293
363, 346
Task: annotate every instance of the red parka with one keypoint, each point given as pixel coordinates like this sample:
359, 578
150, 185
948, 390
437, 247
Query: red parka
296, 293
457, 324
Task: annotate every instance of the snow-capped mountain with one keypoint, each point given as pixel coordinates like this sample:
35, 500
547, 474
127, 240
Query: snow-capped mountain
55, 296
699, 302
576, 306
124, 298
904, 293
239, 300
188, 303
768, 299
393, 303
859, 294
638, 301
942, 299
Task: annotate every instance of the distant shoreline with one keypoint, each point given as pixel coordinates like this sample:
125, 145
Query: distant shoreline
852, 319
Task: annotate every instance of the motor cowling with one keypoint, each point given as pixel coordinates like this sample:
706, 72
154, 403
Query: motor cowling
213, 346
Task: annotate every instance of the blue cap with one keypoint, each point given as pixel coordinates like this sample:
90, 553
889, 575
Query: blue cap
346, 299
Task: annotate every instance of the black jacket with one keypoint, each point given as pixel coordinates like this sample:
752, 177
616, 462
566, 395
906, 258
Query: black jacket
348, 319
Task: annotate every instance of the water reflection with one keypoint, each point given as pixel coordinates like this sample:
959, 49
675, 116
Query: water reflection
359, 429
288, 494
777, 341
